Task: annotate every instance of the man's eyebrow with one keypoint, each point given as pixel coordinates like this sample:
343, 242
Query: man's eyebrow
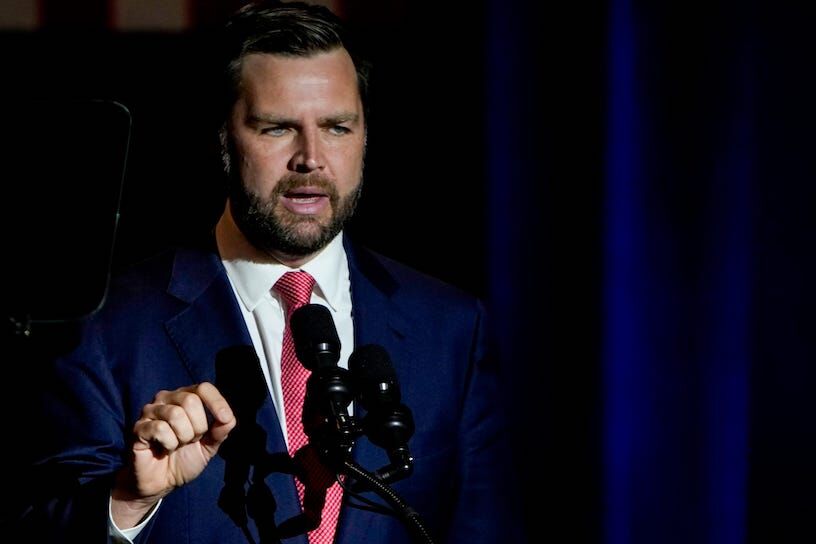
345, 117
271, 119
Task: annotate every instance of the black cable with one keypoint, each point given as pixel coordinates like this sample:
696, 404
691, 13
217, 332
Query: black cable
408, 515
369, 505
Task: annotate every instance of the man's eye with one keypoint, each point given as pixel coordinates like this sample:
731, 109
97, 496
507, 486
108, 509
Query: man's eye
339, 130
274, 131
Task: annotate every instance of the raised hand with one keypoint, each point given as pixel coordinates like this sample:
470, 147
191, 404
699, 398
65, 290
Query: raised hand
172, 445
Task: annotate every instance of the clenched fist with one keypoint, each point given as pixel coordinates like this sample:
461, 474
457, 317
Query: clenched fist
172, 445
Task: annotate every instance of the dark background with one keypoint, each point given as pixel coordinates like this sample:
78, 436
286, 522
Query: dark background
425, 178
629, 185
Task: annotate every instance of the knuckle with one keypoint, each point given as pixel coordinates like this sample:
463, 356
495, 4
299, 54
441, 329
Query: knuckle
174, 413
189, 401
204, 388
160, 396
158, 426
141, 422
149, 409
148, 428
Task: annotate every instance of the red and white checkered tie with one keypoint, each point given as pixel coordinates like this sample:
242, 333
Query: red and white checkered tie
296, 290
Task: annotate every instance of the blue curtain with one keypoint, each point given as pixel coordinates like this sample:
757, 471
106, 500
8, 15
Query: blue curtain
655, 158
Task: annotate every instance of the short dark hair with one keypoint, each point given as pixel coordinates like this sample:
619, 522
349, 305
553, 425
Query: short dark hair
289, 29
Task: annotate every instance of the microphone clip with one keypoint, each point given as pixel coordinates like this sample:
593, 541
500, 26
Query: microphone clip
326, 420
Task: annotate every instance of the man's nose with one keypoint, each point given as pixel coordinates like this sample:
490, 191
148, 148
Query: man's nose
307, 156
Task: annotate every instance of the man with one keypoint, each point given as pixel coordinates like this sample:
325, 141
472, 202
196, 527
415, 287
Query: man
179, 411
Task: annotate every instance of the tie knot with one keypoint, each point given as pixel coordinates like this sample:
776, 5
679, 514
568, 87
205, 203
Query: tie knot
296, 289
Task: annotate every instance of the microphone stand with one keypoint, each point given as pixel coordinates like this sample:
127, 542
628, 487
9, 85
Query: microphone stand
334, 441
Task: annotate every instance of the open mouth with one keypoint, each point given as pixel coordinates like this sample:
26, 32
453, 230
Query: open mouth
304, 197
305, 200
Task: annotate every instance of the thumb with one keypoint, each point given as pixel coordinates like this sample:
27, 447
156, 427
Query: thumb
223, 422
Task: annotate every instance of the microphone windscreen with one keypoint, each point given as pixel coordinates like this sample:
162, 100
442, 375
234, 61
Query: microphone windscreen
314, 335
371, 367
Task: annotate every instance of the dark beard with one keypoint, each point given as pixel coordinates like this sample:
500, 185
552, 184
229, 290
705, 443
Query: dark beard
272, 228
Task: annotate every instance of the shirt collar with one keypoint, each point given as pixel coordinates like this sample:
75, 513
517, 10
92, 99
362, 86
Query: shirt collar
253, 280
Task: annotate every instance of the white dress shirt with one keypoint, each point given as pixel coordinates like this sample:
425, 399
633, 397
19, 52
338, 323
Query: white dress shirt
265, 314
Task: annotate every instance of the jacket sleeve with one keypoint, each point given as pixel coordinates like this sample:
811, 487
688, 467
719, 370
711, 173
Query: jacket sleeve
488, 509
78, 443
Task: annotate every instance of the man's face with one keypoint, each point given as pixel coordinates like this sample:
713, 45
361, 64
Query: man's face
296, 139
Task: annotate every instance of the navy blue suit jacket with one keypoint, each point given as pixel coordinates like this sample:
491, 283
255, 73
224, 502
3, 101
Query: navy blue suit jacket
172, 321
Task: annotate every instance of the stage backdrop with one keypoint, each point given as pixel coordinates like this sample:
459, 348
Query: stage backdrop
656, 159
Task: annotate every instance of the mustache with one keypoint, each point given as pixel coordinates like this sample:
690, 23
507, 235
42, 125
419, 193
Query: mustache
293, 181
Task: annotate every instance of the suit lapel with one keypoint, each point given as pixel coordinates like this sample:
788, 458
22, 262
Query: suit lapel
212, 321
214, 344
378, 319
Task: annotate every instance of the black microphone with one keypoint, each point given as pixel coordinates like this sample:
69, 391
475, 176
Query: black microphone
329, 391
388, 423
316, 342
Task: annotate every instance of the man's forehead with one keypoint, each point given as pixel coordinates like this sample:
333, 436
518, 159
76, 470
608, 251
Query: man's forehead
329, 72
256, 60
